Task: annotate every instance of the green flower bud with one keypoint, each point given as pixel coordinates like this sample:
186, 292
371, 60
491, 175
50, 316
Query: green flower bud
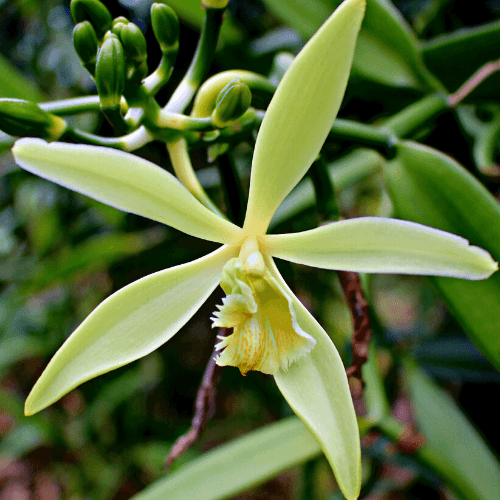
85, 42
110, 73
120, 19
215, 4
117, 29
165, 26
27, 119
233, 100
134, 43
93, 11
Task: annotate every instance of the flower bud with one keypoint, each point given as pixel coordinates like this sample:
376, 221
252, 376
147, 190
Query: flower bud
27, 119
117, 28
93, 11
165, 26
233, 100
215, 4
120, 19
85, 43
134, 43
110, 73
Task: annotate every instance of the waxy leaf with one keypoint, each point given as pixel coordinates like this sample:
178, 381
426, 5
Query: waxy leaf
429, 187
126, 182
387, 51
448, 431
380, 245
316, 388
131, 323
234, 467
301, 114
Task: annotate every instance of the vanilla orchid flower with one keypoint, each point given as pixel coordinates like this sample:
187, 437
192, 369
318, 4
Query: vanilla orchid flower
272, 331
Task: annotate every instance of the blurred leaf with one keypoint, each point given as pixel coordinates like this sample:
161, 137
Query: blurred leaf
14, 84
98, 252
386, 52
451, 434
455, 358
429, 187
454, 57
20, 441
144, 376
234, 467
15, 349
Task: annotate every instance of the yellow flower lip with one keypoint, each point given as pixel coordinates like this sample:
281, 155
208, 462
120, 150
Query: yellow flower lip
266, 335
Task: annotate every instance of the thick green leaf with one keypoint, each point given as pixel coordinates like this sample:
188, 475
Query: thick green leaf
387, 51
234, 467
449, 432
429, 187
454, 57
301, 114
316, 388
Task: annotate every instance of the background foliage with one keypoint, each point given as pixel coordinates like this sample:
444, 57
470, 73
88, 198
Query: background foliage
430, 429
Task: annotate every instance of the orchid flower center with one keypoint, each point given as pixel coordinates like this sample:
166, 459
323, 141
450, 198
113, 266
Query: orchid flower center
266, 335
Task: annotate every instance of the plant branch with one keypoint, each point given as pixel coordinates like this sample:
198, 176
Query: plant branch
474, 81
204, 408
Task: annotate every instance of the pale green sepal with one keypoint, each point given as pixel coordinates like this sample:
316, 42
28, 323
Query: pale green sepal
380, 245
239, 465
126, 182
131, 323
301, 113
316, 388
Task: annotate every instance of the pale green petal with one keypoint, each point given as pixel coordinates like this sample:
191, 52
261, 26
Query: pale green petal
380, 245
128, 325
301, 113
316, 388
124, 181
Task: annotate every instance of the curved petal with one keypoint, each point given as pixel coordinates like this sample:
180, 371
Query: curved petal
301, 113
380, 245
316, 388
126, 182
131, 323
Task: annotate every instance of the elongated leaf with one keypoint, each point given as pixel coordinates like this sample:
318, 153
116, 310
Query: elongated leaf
301, 114
429, 187
380, 245
387, 51
316, 388
126, 182
128, 325
239, 465
448, 431
455, 56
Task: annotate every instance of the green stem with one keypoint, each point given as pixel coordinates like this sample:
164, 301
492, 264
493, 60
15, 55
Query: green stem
179, 156
178, 121
200, 64
376, 138
160, 76
73, 106
129, 142
326, 203
413, 117
233, 193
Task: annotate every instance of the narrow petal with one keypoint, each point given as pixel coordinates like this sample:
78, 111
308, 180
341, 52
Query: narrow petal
316, 388
126, 182
380, 245
128, 325
301, 113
